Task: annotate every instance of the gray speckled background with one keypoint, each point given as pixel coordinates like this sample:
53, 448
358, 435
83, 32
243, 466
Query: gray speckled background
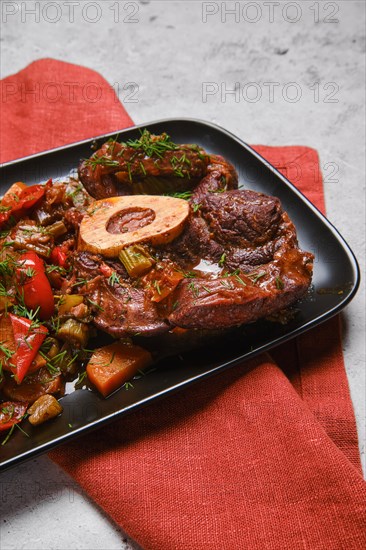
172, 57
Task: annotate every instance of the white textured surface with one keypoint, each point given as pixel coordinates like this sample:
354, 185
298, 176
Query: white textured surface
170, 53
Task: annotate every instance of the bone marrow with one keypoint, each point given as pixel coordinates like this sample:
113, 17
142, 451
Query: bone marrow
161, 221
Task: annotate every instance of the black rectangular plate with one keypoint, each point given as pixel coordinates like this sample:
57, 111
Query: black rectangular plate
335, 268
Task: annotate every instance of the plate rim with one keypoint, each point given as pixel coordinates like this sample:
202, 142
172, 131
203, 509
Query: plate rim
216, 127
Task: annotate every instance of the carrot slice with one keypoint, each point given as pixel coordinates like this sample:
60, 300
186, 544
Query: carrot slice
111, 366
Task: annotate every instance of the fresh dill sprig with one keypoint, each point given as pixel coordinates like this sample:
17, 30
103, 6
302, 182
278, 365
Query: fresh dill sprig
185, 195
95, 161
81, 380
195, 291
222, 260
7, 355
152, 146
10, 432
279, 283
114, 279
256, 276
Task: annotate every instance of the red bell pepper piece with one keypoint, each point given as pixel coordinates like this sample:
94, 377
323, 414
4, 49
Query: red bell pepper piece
28, 339
29, 197
11, 413
35, 286
10, 198
58, 256
17, 205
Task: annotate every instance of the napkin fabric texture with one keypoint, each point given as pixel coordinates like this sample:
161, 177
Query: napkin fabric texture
262, 456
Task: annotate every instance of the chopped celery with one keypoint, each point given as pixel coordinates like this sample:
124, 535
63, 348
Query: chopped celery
74, 332
136, 260
57, 229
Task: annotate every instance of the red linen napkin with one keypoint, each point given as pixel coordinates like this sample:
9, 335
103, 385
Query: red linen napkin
263, 456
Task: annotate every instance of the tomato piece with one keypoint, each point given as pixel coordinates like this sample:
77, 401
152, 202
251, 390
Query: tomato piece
9, 200
13, 193
162, 282
28, 339
36, 288
5, 213
106, 270
29, 197
19, 201
11, 413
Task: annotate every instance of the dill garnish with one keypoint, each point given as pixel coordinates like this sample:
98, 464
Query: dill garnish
222, 260
256, 276
152, 146
95, 161
279, 283
114, 279
195, 291
185, 195
239, 279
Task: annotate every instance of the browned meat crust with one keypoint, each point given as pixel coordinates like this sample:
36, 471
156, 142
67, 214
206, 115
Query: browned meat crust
123, 310
116, 168
235, 300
